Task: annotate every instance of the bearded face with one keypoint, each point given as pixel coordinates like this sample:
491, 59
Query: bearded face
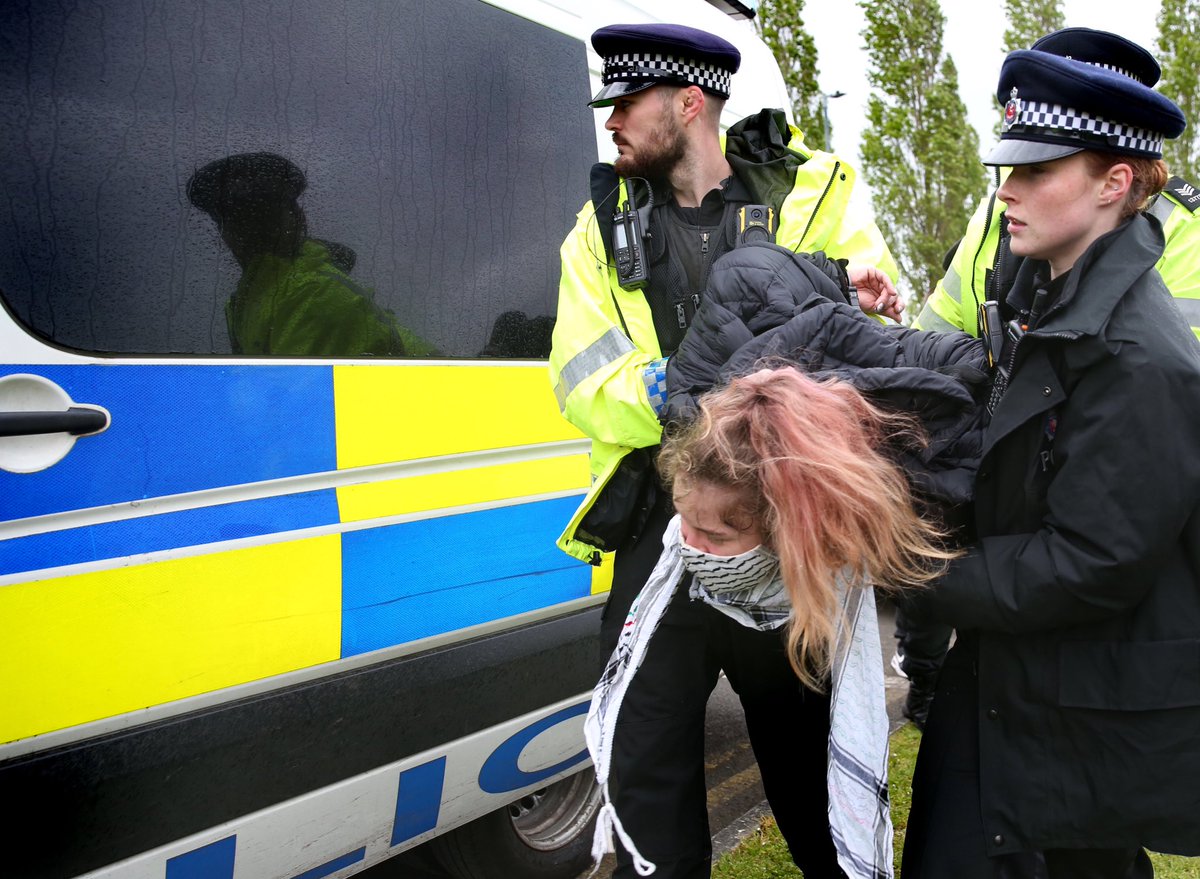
649, 137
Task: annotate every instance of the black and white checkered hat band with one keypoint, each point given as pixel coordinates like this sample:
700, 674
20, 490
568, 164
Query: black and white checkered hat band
1064, 121
638, 65
1112, 67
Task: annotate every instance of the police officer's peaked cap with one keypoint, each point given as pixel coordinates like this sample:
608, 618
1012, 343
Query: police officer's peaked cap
1110, 51
637, 56
245, 184
1059, 106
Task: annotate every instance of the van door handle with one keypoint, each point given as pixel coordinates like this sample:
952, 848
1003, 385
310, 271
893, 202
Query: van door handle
77, 420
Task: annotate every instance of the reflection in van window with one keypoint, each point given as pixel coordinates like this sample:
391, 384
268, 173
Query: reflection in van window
295, 295
309, 177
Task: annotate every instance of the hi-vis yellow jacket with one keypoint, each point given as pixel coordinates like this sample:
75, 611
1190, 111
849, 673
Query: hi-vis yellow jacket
954, 303
604, 336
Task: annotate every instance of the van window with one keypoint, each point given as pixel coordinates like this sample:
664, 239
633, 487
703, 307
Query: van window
289, 178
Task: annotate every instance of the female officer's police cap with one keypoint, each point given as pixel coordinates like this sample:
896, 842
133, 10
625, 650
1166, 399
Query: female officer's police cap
1102, 49
638, 56
1060, 106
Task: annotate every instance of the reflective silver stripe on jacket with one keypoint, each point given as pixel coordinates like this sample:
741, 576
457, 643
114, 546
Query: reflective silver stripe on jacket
1161, 209
931, 320
613, 345
952, 284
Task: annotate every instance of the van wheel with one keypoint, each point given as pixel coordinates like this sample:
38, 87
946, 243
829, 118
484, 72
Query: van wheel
546, 834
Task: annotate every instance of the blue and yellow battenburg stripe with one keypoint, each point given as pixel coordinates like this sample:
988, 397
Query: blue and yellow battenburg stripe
179, 603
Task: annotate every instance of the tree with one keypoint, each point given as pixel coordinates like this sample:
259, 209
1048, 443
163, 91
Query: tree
1179, 55
920, 156
1030, 19
781, 27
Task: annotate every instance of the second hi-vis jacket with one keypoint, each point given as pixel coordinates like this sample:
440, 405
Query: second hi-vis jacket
980, 261
604, 337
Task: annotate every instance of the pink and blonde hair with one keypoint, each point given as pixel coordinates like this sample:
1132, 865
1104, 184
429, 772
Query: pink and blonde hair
807, 457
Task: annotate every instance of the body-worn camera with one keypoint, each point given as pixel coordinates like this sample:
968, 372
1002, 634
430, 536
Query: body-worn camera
991, 330
633, 269
756, 223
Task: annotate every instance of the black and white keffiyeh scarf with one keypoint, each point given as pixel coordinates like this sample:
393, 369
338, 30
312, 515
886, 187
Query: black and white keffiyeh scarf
747, 587
859, 813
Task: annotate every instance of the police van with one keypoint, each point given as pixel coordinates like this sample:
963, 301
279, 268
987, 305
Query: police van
282, 610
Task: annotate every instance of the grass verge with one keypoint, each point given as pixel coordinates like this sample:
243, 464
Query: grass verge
763, 855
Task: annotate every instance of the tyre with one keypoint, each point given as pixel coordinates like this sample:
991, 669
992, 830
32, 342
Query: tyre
544, 835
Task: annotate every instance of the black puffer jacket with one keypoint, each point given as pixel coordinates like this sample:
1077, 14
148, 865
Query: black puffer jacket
765, 304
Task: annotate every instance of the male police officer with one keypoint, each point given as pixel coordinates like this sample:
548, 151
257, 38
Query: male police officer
620, 316
983, 268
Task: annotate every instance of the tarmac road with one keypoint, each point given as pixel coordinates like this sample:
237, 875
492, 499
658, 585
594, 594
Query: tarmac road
736, 802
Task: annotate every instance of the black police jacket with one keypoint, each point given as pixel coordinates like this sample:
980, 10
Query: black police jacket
1083, 586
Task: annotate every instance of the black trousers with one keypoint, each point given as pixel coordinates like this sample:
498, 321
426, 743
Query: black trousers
657, 778
945, 835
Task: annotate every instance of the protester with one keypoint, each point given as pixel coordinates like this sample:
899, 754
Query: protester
775, 482
766, 304
796, 468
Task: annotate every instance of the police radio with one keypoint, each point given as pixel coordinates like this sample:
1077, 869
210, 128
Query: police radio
633, 269
756, 223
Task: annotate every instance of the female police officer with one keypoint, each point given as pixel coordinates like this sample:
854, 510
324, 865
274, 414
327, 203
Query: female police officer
1067, 717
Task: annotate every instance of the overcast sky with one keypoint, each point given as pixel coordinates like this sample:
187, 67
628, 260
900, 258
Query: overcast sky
973, 36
